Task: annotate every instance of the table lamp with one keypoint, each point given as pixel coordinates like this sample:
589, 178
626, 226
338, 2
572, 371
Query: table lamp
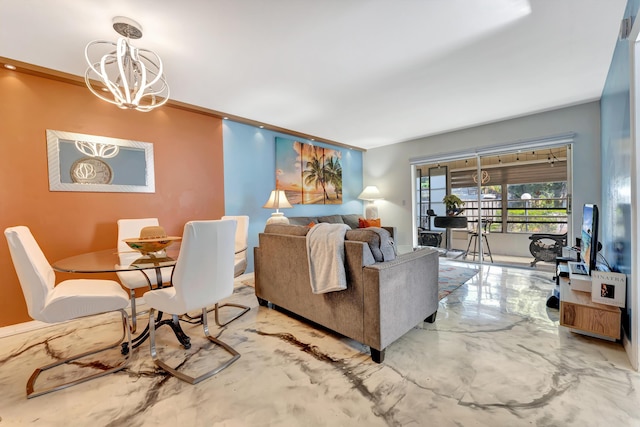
371, 194
277, 200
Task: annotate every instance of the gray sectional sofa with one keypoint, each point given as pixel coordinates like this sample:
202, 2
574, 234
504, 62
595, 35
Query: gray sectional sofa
384, 299
350, 219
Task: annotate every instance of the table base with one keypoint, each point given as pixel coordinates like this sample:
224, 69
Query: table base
174, 323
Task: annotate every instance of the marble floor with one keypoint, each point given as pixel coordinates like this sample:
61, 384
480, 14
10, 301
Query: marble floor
495, 356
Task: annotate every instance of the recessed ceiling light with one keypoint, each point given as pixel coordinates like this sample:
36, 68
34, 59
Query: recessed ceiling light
9, 66
261, 127
225, 118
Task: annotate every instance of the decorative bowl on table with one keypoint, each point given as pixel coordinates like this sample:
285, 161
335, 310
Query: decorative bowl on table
152, 239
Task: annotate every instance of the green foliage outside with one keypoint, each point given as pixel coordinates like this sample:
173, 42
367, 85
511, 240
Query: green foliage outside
545, 212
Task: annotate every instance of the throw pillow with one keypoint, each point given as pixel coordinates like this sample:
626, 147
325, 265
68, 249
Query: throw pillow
364, 223
379, 240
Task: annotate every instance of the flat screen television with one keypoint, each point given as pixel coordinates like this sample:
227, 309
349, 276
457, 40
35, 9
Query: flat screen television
589, 236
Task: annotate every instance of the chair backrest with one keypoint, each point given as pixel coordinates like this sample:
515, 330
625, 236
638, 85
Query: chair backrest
35, 274
203, 274
128, 228
242, 235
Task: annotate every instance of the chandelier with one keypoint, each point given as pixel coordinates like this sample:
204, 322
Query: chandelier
124, 75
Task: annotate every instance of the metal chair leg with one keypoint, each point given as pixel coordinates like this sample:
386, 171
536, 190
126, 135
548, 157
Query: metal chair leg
134, 314
198, 319
468, 246
125, 331
488, 248
474, 239
181, 375
228, 304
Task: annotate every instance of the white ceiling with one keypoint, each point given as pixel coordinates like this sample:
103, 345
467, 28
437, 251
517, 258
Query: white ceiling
365, 73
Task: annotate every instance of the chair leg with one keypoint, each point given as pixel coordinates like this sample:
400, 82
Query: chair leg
468, 246
134, 314
198, 319
180, 375
474, 239
32, 380
228, 304
194, 320
488, 248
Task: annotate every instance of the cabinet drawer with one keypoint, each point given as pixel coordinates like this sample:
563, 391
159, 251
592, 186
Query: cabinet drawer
590, 319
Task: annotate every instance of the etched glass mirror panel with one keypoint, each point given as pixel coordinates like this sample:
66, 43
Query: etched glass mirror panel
79, 162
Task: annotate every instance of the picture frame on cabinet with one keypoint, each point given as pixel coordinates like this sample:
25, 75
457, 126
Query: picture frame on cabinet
608, 288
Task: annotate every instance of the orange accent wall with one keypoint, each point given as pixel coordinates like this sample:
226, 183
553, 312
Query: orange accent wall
188, 173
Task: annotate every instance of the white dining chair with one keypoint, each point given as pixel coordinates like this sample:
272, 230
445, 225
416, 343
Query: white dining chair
70, 299
203, 276
239, 267
239, 263
132, 280
241, 241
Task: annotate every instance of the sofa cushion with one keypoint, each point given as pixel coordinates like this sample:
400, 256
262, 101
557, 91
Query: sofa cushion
364, 223
288, 229
303, 220
379, 241
351, 220
332, 219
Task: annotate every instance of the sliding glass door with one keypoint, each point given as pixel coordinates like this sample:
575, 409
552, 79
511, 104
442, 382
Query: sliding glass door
509, 197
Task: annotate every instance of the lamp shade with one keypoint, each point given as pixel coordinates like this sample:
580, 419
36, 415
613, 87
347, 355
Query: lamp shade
277, 200
370, 192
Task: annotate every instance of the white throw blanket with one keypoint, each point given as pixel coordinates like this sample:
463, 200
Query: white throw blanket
325, 252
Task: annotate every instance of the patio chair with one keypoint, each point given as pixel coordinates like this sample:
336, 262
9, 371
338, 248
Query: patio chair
546, 247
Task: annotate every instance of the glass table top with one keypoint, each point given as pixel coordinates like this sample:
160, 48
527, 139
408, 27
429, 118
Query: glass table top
110, 260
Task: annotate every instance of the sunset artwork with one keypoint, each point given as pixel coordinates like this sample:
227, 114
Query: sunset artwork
308, 174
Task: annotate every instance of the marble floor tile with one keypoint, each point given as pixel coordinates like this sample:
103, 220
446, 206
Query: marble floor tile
496, 356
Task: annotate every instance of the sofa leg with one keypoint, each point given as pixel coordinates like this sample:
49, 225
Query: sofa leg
431, 318
377, 355
262, 302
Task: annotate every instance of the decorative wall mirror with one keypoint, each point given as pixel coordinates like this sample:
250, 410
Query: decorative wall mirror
79, 162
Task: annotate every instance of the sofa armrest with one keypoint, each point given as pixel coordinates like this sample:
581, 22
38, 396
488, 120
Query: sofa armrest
399, 295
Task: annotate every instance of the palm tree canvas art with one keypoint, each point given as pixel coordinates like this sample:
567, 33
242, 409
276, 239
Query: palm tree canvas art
308, 174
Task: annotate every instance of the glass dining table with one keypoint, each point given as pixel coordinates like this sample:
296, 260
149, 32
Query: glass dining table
112, 261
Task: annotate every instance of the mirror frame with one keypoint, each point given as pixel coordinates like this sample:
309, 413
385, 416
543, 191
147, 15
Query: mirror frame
53, 156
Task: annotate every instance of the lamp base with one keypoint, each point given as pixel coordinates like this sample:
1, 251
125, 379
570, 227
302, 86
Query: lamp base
278, 218
371, 211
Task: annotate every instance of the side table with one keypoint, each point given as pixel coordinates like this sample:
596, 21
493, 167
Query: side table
582, 315
449, 223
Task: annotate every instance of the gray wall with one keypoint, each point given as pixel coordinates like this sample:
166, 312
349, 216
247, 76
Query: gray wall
388, 167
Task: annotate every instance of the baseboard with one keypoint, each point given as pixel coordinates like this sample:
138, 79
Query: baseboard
7, 331
32, 325
19, 328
